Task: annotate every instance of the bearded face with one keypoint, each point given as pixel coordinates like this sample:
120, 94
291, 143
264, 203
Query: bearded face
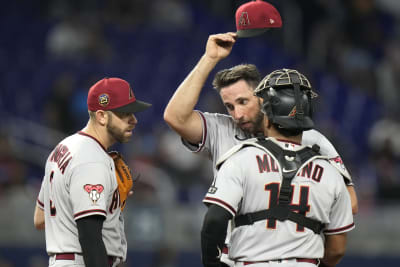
255, 124
243, 106
120, 127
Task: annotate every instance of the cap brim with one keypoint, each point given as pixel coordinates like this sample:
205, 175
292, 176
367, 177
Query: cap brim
134, 107
250, 32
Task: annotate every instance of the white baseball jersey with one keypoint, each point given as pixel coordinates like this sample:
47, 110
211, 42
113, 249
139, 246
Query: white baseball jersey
80, 181
220, 133
249, 180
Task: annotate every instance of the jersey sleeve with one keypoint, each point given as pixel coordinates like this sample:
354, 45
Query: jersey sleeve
341, 217
200, 146
218, 131
327, 149
40, 198
227, 189
89, 189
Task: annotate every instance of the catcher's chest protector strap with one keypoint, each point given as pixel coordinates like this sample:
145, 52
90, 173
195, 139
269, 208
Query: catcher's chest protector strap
290, 162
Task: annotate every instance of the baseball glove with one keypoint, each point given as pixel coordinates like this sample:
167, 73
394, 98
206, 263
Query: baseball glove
124, 177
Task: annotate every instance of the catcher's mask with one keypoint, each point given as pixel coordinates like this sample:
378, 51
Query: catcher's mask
287, 96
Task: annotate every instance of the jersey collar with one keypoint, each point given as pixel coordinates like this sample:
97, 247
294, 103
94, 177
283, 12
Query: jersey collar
85, 134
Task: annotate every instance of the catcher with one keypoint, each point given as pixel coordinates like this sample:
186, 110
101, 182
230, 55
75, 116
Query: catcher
84, 188
289, 204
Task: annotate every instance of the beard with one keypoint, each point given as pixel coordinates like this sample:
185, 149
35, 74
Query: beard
257, 124
117, 133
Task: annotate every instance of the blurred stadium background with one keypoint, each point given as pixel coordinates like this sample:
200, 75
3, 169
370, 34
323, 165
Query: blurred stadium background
51, 51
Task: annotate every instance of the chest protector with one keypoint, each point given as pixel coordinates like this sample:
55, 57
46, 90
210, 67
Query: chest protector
290, 162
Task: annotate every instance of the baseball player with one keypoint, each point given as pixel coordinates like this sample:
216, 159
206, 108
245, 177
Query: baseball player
289, 204
213, 133
79, 203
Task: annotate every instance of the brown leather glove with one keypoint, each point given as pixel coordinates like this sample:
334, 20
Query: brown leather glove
124, 177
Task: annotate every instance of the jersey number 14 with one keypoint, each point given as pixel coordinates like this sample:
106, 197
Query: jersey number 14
301, 207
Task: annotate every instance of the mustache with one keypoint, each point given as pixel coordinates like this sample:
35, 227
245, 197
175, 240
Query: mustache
240, 121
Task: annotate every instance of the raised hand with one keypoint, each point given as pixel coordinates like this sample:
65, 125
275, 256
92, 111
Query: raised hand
220, 45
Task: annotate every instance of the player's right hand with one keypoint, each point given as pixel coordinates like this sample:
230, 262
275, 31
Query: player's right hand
220, 45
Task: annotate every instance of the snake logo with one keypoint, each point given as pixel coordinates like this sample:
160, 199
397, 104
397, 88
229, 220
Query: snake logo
94, 191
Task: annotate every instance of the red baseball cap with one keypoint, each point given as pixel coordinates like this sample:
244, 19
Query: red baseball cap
114, 94
256, 17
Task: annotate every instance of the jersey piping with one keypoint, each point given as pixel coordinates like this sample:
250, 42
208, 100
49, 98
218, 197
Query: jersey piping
41, 205
85, 134
338, 230
85, 212
221, 203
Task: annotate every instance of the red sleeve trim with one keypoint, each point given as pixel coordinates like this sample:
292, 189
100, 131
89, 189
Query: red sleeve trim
341, 229
41, 205
203, 141
85, 212
223, 203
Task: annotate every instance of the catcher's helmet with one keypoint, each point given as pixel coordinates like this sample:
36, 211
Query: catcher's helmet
287, 98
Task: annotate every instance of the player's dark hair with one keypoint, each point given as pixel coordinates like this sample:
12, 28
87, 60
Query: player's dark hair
247, 72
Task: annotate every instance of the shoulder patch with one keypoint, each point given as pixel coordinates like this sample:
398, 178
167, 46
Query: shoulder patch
94, 191
337, 162
212, 189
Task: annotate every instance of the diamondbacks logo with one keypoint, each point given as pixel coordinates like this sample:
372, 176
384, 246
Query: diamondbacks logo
104, 100
293, 112
244, 19
339, 162
94, 191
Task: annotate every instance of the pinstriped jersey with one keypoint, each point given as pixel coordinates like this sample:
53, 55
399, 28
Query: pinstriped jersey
220, 133
249, 181
80, 181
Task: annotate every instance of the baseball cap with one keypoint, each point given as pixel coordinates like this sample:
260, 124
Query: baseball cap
256, 17
114, 94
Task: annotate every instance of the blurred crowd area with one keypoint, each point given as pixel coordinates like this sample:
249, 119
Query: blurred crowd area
52, 51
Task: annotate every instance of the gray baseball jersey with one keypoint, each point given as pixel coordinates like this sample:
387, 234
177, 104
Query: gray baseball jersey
220, 133
80, 181
249, 180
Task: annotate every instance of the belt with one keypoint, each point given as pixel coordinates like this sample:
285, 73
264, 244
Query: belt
314, 261
71, 257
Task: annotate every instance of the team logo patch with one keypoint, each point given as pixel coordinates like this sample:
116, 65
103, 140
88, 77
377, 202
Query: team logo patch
338, 160
104, 99
293, 112
212, 190
94, 191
